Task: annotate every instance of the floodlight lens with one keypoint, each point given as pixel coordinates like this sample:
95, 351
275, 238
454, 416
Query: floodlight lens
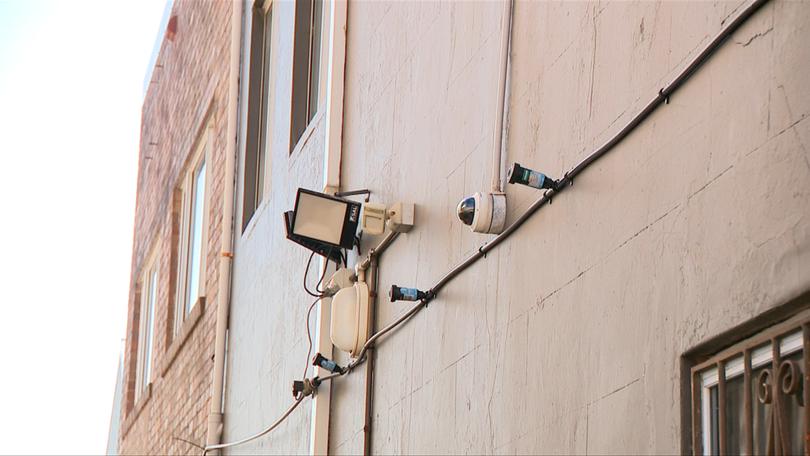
319, 218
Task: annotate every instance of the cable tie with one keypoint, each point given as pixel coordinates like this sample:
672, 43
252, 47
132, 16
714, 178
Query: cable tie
227, 254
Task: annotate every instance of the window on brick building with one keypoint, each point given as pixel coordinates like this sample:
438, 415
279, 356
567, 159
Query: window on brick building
192, 238
148, 300
306, 66
751, 398
258, 110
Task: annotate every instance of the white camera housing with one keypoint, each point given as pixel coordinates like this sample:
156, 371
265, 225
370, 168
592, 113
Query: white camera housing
483, 212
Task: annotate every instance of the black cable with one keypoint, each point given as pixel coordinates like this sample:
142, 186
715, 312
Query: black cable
318, 292
306, 273
323, 273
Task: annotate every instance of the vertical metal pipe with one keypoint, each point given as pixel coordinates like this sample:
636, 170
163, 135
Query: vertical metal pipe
697, 429
215, 415
371, 354
749, 405
806, 385
497, 135
721, 406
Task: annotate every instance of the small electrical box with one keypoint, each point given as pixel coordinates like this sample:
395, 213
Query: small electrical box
373, 218
400, 217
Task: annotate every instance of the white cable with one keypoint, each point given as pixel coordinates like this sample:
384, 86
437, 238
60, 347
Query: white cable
254, 437
309, 337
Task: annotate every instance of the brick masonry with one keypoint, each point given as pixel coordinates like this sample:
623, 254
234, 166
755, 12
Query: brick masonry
188, 91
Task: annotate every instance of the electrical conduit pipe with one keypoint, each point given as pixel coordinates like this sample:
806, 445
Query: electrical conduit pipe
501, 111
214, 432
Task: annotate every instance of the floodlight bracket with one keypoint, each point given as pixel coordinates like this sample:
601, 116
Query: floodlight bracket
364, 191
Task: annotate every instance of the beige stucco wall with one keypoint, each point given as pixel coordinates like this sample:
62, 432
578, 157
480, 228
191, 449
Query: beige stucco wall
568, 337
267, 340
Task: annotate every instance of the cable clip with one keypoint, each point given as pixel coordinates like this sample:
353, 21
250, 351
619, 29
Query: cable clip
430, 295
662, 94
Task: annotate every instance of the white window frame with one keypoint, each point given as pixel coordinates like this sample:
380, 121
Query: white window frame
149, 286
185, 300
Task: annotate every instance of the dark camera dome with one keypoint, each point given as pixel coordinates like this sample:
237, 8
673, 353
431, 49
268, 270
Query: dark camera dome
466, 210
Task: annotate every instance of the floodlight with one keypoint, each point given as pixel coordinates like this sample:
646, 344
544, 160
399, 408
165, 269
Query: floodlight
323, 221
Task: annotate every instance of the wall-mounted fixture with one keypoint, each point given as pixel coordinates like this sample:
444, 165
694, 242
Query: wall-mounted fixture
398, 217
350, 298
406, 294
327, 225
530, 178
321, 361
323, 223
349, 325
483, 212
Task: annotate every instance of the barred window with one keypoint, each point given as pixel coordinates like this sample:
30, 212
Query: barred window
750, 398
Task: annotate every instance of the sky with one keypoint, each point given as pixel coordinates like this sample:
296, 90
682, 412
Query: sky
71, 89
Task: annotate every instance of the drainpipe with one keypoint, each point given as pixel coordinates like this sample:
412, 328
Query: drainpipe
214, 433
336, 62
501, 112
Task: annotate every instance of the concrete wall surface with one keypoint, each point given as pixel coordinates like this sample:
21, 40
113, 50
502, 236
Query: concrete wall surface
568, 337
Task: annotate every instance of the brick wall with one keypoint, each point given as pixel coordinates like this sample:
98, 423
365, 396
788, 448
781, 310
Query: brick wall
188, 91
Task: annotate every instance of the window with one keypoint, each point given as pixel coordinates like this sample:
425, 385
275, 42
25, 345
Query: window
751, 397
258, 105
192, 239
306, 66
148, 298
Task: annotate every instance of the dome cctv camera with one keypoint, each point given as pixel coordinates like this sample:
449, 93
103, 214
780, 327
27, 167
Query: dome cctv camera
466, 209
483, 212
